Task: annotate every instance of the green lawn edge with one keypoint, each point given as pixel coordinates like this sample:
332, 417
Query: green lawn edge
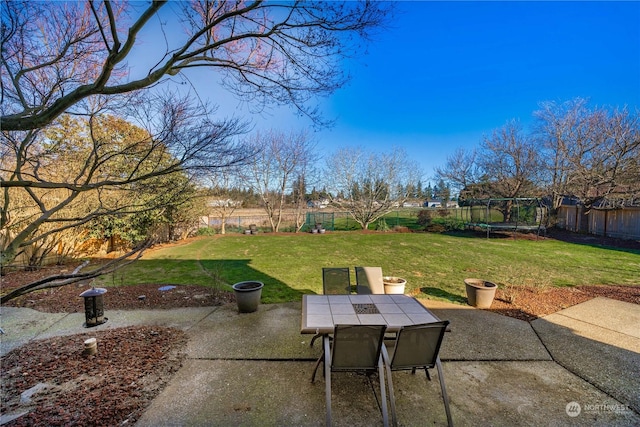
434, 265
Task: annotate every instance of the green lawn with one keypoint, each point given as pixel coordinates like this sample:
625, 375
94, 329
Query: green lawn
434, 265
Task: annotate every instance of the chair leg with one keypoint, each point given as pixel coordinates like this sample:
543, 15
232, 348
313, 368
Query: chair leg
392, 398
327, 377
445, 397
383, 394
313, 376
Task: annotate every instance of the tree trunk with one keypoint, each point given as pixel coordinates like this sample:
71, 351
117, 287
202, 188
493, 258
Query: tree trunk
223, 224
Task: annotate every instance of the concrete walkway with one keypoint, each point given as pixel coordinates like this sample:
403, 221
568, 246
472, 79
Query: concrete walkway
580, 366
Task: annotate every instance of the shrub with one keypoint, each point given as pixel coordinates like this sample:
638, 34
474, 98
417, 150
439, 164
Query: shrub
382, 225
449, 224
205, 231
435, 228
424, 217
440, 225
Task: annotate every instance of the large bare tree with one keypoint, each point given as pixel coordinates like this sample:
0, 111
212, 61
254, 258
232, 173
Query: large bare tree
369, 185
282, 160
74, 58
510, 164
593, 154
507, 164
558, 124
510, 160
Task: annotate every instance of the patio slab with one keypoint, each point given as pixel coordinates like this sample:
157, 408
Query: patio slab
483, 335
529, 394
576, 367
607, 313
272, 332
598, 341
277, 393
21, 325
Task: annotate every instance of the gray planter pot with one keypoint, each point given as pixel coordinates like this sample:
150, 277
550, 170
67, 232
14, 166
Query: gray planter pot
248, 295
480, 293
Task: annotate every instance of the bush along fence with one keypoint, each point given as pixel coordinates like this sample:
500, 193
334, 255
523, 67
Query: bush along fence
404, 219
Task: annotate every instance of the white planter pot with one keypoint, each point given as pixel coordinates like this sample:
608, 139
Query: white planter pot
393, 285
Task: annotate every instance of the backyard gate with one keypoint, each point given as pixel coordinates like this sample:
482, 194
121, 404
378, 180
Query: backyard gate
326, 220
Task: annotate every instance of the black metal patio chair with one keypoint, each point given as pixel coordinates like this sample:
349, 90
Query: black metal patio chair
335, 281
354, 348
417, 347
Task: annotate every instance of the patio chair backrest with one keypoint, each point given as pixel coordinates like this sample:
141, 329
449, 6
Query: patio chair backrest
336, 280
369, 280
356, 347
417, 346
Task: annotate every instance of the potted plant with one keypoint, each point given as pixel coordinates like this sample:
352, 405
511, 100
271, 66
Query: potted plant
248, 295
393, 285
480, 293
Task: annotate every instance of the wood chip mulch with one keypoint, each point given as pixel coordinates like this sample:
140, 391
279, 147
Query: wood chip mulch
528, 303
52, 383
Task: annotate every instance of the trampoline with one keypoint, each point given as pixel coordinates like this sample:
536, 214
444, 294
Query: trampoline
518, 214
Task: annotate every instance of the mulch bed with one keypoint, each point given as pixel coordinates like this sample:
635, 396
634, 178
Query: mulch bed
67, 299
110, 388
528, 303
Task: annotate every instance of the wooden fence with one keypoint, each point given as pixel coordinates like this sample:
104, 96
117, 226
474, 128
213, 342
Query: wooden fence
619, 223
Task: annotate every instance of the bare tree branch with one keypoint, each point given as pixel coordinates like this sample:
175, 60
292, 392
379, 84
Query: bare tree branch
83, 160
59, 280
285, 52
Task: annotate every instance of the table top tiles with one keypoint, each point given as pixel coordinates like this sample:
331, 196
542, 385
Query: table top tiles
321, 312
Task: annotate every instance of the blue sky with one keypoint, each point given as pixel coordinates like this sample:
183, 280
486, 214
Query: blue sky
446, 73
450, 72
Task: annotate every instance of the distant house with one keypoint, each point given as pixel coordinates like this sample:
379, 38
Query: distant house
222, 203
435, 203
318, 204
412, 204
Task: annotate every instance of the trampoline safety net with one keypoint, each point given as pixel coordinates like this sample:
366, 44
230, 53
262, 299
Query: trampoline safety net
507, 214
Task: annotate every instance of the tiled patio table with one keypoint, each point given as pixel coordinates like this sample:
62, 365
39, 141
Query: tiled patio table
320, 313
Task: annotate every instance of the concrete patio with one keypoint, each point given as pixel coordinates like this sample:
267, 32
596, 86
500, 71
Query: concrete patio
580, 366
